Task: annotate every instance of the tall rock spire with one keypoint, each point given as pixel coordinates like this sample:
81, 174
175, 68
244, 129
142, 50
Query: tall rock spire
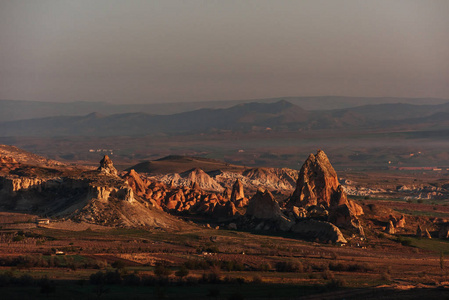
317, 183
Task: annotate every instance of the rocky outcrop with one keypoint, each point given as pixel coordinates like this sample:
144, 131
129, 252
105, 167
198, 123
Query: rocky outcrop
419, 231
390, 228
107, 167
272, 178
318, 185
7, 160
135, 182
298, 213
238, 195
225, 211
443, 233
263, 206
321, 230
398, 222
201, 179
12, 184
424, 233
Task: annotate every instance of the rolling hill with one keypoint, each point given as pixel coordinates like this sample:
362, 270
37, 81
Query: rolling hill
247, 117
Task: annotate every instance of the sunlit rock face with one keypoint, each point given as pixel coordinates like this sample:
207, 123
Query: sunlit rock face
318, 185
107, 167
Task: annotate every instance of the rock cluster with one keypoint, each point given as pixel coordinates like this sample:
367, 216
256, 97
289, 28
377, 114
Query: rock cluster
317, 205
423, 233
187, 199
7, 160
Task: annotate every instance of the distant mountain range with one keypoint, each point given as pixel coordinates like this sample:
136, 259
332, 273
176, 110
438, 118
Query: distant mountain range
12, 110
247, 117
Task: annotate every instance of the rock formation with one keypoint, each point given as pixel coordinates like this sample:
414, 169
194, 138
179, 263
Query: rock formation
419, 231
107, 167
238, 195
317, 185
443, 233
390, 228
398, 222
135, 182
225, 211
263, 206
194, 178
7, 160
427, 234
323, 231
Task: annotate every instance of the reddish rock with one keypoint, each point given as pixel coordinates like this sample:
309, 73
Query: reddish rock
419, 232
7, 160
238, 195
263, 206
225, 211
398, 222
317, 183
390, 228
135, 182
107, 167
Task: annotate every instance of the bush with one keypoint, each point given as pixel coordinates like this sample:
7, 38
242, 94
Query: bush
257, 279
161, 269
404, 241
182, 272
336, 284
113, 277
97, 278
264, 267
213, 277
339, 267
327, 275
131, 279
197, 265
283, 266
118, 264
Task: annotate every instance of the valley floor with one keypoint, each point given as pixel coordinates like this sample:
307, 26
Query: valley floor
215, 264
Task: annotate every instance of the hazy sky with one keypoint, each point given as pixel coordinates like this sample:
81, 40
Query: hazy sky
156, 51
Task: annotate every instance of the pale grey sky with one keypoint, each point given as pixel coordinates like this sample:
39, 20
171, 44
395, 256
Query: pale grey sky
156, 51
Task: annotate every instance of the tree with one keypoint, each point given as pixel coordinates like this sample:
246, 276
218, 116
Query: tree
161, 269
182, 272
